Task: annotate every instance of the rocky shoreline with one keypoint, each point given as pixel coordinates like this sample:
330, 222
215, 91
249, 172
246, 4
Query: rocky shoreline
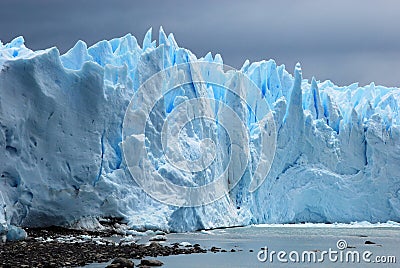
59, 247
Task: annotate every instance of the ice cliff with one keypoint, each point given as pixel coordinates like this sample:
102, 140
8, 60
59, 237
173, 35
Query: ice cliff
337, 155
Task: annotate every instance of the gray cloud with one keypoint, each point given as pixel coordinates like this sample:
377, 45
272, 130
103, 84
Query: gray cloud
345, 41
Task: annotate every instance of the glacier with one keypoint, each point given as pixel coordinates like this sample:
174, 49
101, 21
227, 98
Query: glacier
63, 158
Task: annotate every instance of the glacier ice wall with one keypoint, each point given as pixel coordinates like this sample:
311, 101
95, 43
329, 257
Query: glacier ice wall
61, 163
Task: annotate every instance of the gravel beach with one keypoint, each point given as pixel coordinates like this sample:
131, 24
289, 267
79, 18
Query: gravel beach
59, 247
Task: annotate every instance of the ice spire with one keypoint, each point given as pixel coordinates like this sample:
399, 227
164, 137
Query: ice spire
147, 40
295, 110
162, 37
319, 110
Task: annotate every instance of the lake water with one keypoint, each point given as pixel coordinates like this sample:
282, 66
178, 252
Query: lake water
302, 246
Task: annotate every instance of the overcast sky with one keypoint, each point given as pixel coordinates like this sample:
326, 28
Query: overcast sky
344, 41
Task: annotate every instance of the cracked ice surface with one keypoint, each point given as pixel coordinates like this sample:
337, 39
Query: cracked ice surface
61, 162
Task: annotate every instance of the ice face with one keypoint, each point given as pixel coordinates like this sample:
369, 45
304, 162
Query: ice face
336, 157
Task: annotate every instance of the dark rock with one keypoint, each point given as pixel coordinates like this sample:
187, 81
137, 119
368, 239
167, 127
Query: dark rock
215, 249
120, 263
155, 245
151, 263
